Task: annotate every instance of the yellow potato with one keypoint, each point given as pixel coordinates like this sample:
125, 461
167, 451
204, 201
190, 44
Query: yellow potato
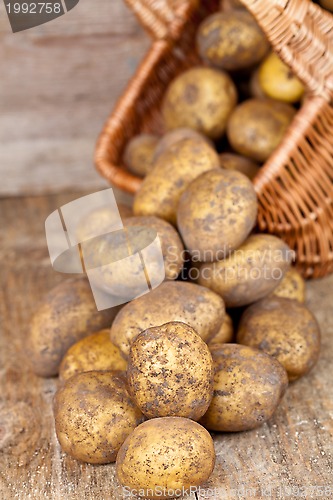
95, 352
327, 4
174, 170
254, 88
225, 333
284, 329
231, 40
194, 305
94, 415
216, 213
171, 244
127, 277
165, 457
67, 314
240, 163
250, 273
292, 286
170, 372
248, 386
277, 80
257, 126
202, 99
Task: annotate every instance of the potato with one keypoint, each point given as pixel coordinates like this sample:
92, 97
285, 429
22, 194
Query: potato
139, 153
202, 99
67, 314
216, 213
128, 279
257, 126
327, 4
284, 329
231, 4
172, 246
278, 82
254, 87
170, 372
231, 40
176, 135
248, 386
292, 286
174, 170
95, 352
94, 415
124, 210
231, 161
165, 457
250, 273
102, 221
225, 333
189, 303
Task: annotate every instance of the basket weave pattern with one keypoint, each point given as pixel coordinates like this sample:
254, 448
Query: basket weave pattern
295, 186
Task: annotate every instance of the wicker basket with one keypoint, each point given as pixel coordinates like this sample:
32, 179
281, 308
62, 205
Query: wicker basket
295, 186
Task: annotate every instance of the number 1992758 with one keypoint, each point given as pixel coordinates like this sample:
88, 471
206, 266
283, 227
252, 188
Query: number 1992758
34, 8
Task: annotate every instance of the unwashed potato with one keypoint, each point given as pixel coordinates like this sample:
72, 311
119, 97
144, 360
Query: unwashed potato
292, 286
250, 273
170, 372
327, 4
164, 457
95, 352
254, 87
67, 314
118, 267
101, 221
231, 161
139, 153
176, 135
284, 329
174, 170
257, 126
231, 4
94, 415
225, 333
277, 80
248, 386
171, 244
189, 303
216, 213
200, 98
231, 40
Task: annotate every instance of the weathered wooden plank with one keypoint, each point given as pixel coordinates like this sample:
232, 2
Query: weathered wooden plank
59, 82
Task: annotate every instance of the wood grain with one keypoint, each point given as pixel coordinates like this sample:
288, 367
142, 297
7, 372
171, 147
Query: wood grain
59, 82
293, 450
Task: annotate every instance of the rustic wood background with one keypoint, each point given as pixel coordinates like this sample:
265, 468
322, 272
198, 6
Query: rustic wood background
58, 83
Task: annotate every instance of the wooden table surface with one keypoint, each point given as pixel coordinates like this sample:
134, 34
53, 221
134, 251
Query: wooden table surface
294, 450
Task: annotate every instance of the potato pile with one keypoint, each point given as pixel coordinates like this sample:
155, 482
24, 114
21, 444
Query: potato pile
327, 4
214, 346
